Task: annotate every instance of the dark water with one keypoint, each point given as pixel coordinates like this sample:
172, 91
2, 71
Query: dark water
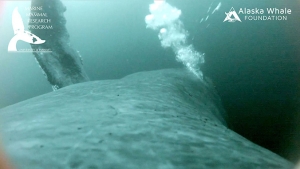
254, 65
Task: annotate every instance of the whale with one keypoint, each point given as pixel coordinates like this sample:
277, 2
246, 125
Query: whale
63, 66
167, 119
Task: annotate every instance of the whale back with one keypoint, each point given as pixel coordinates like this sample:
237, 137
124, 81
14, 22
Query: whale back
164, 119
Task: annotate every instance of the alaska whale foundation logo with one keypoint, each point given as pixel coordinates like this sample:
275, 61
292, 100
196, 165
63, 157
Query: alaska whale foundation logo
232, 16
258, 14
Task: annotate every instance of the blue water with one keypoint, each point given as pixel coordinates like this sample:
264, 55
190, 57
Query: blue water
254, 65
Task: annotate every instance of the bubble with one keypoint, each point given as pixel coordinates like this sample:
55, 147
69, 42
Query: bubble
163, 30
149, 17
153, 7
165, 18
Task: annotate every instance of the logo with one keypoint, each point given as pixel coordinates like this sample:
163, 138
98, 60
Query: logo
20, 33
232, 16
258, 14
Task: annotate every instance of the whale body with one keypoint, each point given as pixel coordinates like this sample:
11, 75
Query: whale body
166, 119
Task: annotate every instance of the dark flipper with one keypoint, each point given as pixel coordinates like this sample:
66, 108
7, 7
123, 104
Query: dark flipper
63, 66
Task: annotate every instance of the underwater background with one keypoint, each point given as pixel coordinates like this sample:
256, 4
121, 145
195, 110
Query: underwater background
254, 65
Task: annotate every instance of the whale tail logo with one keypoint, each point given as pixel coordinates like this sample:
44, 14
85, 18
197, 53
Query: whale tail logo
232, 16
20, 33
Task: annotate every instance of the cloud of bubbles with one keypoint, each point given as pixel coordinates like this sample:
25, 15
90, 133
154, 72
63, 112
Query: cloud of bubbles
165, 18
